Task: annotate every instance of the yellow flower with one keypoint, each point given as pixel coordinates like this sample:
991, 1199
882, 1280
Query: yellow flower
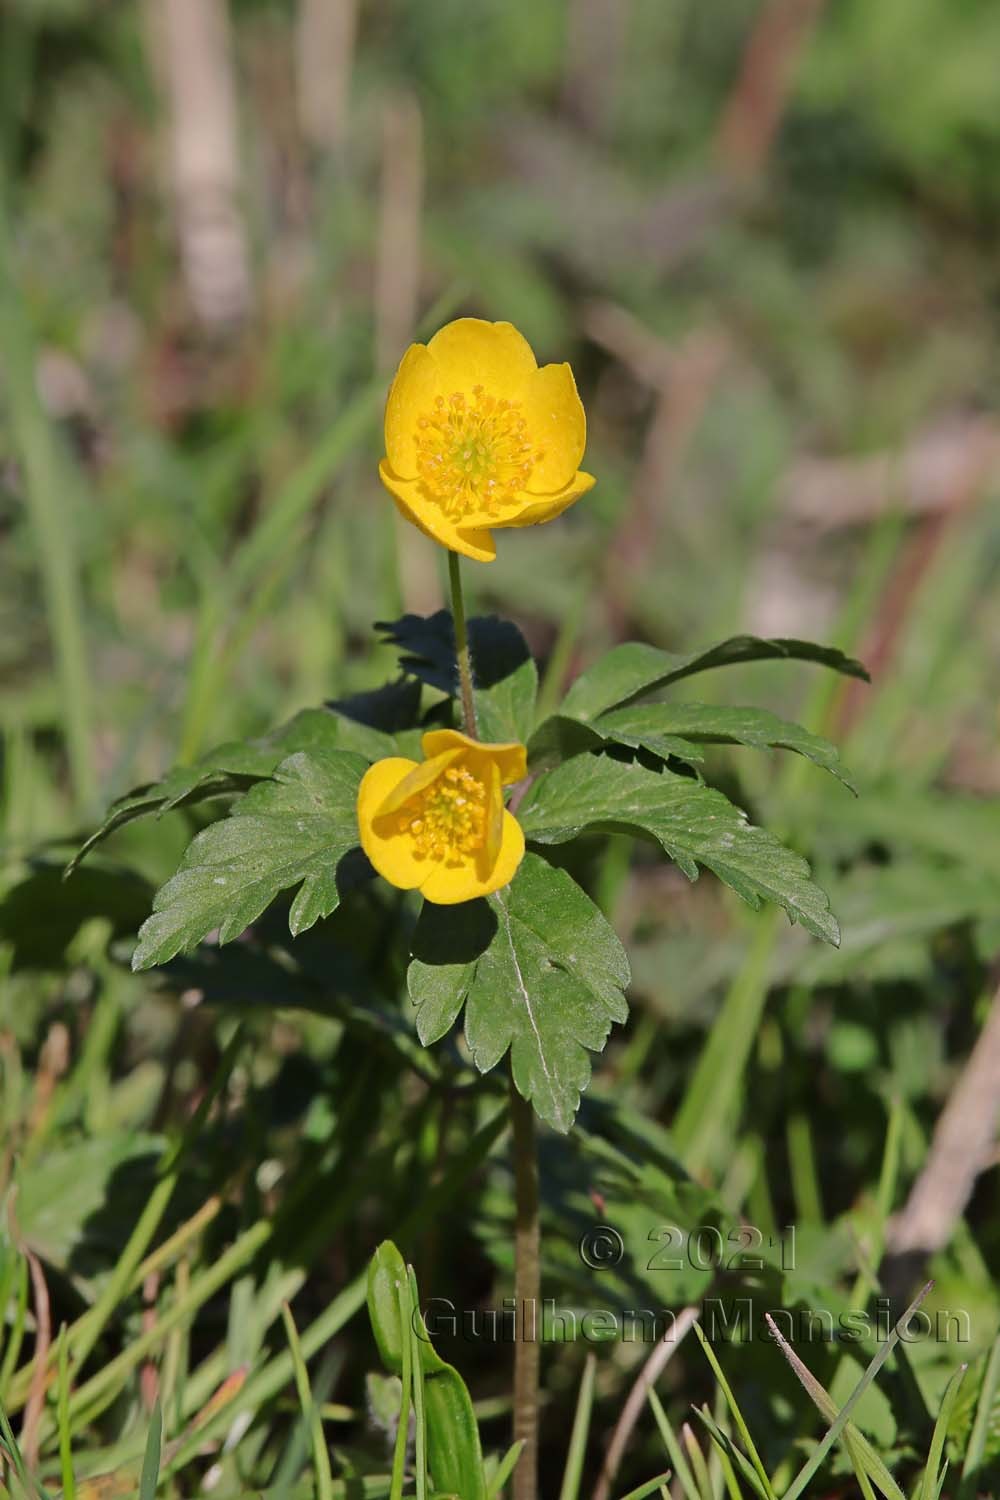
441, 826
476, 436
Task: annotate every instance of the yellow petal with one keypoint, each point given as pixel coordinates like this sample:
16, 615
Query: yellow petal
510, 757
416, 781
557, 427
391, 853
494, 820
539, 508
446, 885
511, 852
471, 352
412, 503
411, 396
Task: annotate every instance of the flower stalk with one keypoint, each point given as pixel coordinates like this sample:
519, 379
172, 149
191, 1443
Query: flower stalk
527, 1233
462, 646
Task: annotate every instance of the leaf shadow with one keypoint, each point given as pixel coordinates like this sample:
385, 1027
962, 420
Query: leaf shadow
446, 935
497, 647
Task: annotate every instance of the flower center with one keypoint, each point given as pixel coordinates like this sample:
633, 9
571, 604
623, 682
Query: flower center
447, 821
474, 457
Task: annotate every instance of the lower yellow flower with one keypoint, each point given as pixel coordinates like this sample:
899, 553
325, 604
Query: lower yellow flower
440, 826
477, 436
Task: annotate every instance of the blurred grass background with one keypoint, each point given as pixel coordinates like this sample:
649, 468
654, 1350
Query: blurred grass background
766, 239
766, 236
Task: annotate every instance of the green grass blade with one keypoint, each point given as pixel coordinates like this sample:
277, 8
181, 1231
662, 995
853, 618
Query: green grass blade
152, 1215
889, 1173
12, 1348
699, 1468
149, 1478
933, 1476
650, 1487
239, 1254
682, 1468
573, 1472
505, 1469
310, 1411
981, 1426
802, 1164
860, 1452
858, 1463
13, 1451
737, 1415
406, 1378
807, 1471
731, 1453
711, 1093
266, 1383
62, 1407
419, 1418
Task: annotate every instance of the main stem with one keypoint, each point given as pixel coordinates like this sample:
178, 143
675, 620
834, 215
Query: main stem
527, 1276
462, 647
527, 1295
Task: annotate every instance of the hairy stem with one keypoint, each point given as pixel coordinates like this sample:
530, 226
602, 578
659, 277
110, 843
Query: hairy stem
462, 646
527, 1301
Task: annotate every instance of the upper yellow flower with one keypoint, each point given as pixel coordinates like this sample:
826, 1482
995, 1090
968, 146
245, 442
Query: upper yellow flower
441, 826
476, 435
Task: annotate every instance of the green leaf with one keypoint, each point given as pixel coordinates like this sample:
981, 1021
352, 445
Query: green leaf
504, 672
453, 1445
506, 711
694, 824
680, 730
559, 738
291, 831
633, 669
386, 1276
539, 970
235, 766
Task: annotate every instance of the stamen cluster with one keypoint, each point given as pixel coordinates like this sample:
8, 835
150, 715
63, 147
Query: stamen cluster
474, 457
447, 821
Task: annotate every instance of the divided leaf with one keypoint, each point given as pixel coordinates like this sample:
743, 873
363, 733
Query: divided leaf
646, 725
289, 831
694, 824
631, 670
234, 767
539, 970
680, 730
504, 671
506, 711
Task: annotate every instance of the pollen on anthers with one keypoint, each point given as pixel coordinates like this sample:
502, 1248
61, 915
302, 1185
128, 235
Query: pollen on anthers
447, 821
474, 456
